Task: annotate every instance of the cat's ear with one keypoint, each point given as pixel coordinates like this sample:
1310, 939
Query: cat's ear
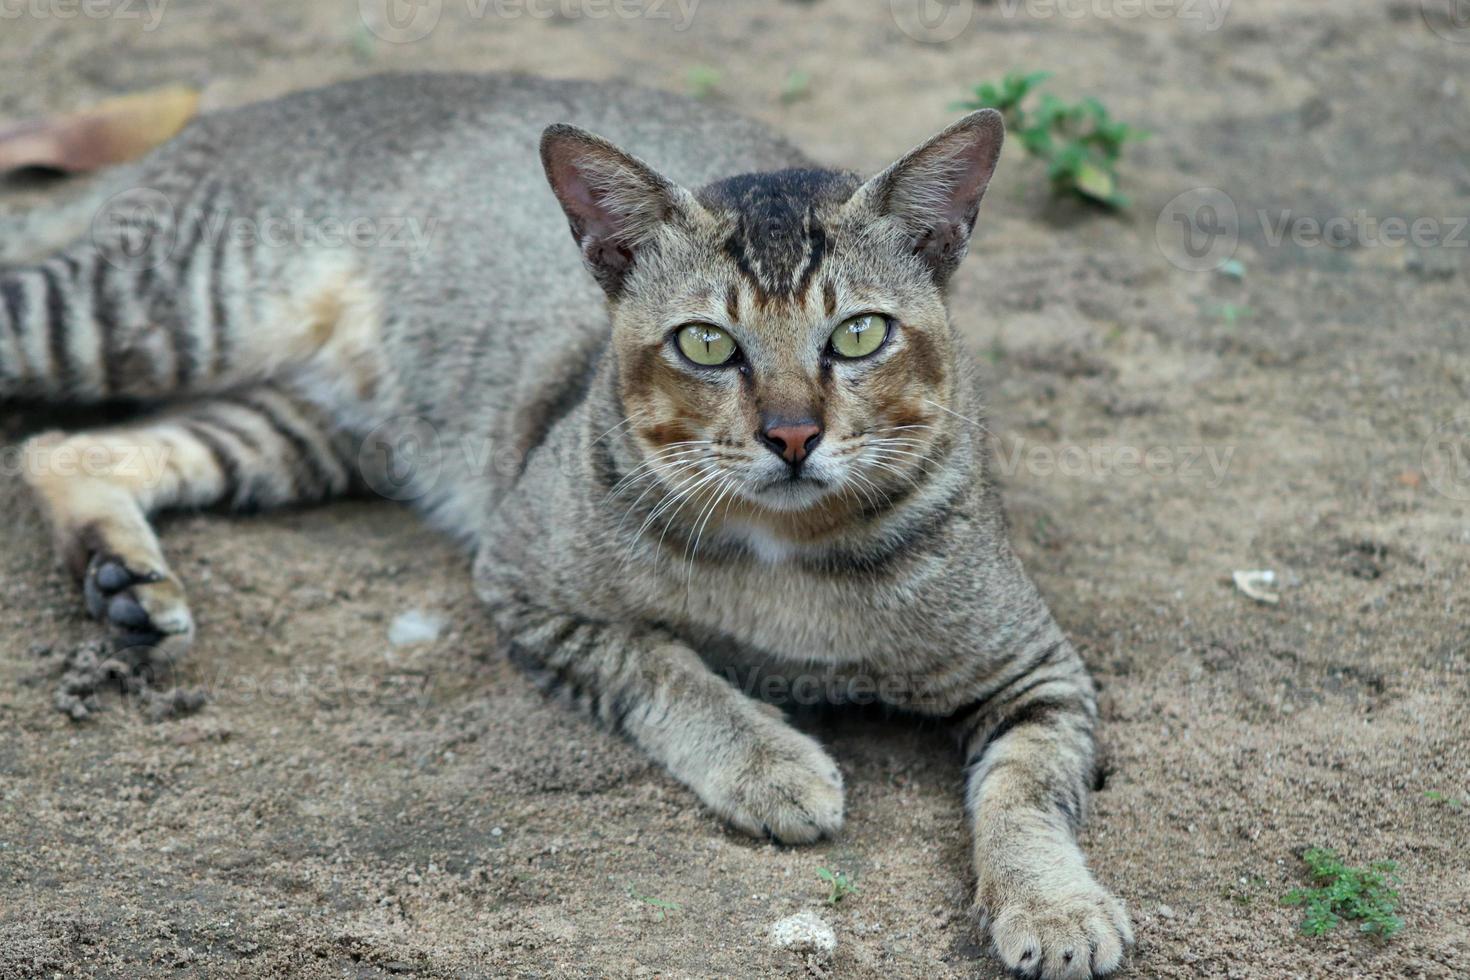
934, 191
614, 202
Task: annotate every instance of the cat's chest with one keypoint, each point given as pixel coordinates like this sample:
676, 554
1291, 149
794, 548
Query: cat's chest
771, 603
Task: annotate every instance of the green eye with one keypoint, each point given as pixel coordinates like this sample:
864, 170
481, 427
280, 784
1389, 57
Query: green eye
860, 336
706, 345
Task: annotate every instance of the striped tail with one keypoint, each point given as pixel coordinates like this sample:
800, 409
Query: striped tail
141, 307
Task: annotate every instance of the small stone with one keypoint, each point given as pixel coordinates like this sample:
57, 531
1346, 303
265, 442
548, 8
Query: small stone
415, 626
805, 933
1166, 912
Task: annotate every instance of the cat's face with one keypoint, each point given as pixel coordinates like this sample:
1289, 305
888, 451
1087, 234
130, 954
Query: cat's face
782, 344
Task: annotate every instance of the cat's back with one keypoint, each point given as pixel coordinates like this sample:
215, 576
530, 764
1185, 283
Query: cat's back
460, 150
441, 175
393, 119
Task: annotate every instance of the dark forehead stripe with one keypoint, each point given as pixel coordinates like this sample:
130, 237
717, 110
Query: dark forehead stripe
778, 243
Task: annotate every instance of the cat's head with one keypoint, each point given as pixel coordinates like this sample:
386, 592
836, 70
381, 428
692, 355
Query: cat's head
781, 338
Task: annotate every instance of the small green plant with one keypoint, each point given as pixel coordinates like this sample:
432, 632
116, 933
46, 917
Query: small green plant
839, 883
1341, 892
663, 906
1080, 143
1230, 313
797, 86
702, 81
1435, 796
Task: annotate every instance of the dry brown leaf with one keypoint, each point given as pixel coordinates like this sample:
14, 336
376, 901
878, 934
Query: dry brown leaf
109, 132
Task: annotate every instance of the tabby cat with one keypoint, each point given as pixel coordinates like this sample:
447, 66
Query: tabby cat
738, 460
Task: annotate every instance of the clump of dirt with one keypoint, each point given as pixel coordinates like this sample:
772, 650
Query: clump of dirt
91, 669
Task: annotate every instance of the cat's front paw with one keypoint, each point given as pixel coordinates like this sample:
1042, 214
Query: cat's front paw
781, 785
1057, 926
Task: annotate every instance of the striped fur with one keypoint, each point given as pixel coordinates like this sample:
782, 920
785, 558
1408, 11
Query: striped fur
644, 554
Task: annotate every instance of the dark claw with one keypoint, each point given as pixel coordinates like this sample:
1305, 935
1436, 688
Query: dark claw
124, 610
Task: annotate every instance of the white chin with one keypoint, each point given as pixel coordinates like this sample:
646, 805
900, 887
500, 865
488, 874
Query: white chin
791, 495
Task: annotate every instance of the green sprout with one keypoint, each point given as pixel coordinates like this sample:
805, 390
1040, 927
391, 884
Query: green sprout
1341, 892
796, 87
662, 905
1080, 143
702, 81
840, 885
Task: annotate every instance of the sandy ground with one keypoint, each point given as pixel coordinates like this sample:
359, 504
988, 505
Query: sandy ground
344, 807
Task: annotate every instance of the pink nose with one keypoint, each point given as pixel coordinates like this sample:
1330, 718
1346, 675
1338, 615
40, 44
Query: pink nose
792, 441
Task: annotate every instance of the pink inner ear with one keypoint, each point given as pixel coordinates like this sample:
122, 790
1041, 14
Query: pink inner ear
576, 196
979, 165
977, 157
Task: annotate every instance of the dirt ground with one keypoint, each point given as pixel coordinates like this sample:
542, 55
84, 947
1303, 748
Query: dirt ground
342, 806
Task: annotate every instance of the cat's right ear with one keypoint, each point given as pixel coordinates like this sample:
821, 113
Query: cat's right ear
614, 202
934, 192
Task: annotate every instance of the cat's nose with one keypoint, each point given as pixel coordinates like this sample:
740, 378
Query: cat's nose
791, 440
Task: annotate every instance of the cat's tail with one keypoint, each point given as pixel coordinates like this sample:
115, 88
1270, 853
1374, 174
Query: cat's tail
118, 294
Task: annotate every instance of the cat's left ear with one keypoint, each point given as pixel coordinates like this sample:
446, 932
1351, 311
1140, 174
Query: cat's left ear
614, 202
934, 191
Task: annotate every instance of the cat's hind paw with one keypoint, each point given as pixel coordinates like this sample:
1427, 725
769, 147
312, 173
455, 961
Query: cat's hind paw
143, 609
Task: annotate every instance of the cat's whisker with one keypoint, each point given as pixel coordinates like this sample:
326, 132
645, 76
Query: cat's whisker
900, 447
918, 459
670, 453
871, 492
912, 458
676, 497
654, 485
652, 475
891, 468
725, 487
669, 523
626, 421
979, 425
649, 489
875, 501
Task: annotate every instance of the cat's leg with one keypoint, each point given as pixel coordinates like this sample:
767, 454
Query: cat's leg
739, 757
1030, 751
259, 448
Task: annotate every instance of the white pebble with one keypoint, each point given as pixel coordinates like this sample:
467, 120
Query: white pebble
805, 933
415, 626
